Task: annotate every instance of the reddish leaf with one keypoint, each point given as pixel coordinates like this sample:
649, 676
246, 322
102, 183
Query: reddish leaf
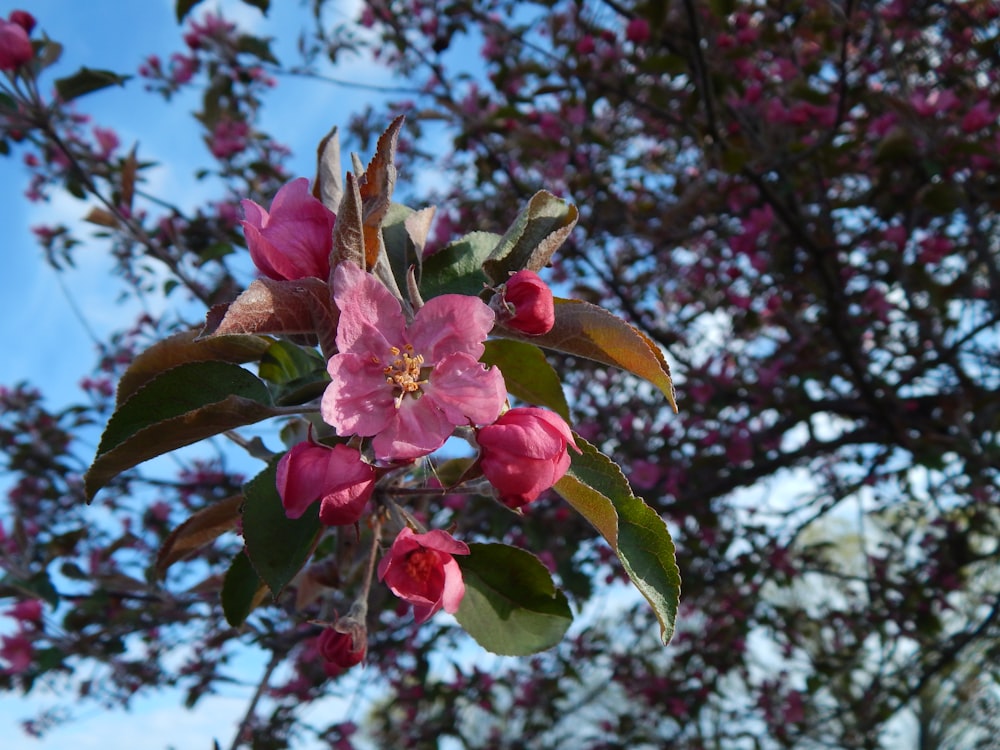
302, 306
129, 168
328, 187
376, 186
349, 231
586, 330
102, 217
198, 531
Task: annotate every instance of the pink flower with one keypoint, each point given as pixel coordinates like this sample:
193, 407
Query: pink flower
23, 19
524, 453
341, 651
295, 238
978, 117
15, 47
28, 610
420, 569
524, 303
637, 31
337, 477
16, 650
408, 386
229, 137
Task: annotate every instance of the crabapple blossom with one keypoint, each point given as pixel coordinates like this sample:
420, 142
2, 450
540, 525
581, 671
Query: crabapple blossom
337, 477
341, 651
15, 47
294, 239
421, 569
524, 303
524, 453
409, 386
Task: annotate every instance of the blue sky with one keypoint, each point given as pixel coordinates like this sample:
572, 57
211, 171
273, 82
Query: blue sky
48, 345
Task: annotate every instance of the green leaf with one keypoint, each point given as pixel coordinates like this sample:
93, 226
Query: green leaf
262, 5
398, 246
527, 373
589, 331
277, 545
242, 590
183, 348
86, 81
511, 606
541, 227
256, 46
298, 373
597, 489
458, 267
183, 7
178, 407
39, 585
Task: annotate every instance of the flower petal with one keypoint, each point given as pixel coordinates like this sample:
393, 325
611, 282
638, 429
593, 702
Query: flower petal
358, 401
454, 586
418, 428
371, 319
449, 324
466, 391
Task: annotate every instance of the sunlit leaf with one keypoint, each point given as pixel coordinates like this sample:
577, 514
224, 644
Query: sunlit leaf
179, 407
298, 374
511, 607
376, 187
597, 489
458, 268
537, 232
589, 331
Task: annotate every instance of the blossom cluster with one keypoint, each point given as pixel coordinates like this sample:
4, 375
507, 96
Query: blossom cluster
401, 385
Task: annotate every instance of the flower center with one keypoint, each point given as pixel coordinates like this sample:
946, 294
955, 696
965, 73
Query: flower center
419, 564
404, 372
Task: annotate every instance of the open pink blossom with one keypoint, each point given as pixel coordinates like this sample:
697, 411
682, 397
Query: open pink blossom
421, 569
524, 453
336, 476
408, 386
294, 239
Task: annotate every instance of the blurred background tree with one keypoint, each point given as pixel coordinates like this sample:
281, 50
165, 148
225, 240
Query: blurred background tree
798, 201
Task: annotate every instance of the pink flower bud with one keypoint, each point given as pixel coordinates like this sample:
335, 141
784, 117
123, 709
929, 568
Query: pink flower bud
524, 303
23, 19
637, 31
524, 453
29, 610
421, 569
295, 238
342, 650
15, 47
337, 477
